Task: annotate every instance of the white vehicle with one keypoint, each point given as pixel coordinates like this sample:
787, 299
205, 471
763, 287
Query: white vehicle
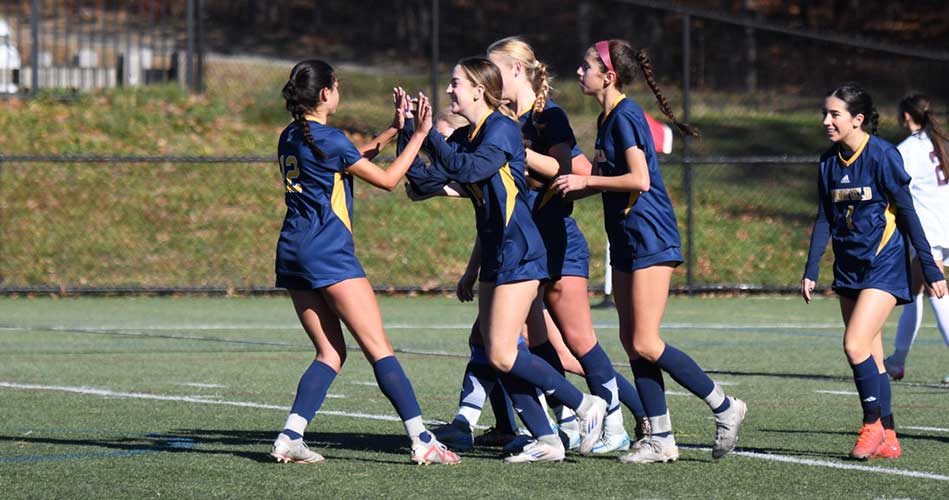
9, 61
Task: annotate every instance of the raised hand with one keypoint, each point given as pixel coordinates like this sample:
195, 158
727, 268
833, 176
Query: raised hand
402, 109
424, 119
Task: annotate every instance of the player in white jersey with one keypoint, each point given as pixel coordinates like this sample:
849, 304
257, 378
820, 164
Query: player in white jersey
926, 160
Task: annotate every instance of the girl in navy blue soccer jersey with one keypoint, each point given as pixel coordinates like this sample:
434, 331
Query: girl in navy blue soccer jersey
866, 209
316, 261
487, 158
644, 247
552, 150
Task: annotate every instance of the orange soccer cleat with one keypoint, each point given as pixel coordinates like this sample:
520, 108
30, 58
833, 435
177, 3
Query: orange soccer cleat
869, 439
890, 447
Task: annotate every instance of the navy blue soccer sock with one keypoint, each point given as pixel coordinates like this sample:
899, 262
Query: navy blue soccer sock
311, 392
601, 377
541, 375
547, 352
867, 379
502, 406
397, 388
480, 379
652, 393
886, 400
526, 404
629, 396
687, 373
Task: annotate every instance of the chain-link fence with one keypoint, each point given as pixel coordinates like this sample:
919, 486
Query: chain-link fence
210, 223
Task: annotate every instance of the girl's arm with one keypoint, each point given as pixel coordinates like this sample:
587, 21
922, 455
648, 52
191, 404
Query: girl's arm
372, 148
637, 179
820, 235
389, 178
908, 222
557, 163
464, 167
465, 288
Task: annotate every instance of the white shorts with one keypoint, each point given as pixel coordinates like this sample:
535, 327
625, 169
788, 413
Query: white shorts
939, 253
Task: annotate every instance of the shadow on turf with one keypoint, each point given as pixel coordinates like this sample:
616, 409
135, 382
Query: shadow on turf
901, 434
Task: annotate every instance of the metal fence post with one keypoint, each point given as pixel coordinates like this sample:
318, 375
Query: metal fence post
189, 71
35, 47
201, 47
435, 43
686, 165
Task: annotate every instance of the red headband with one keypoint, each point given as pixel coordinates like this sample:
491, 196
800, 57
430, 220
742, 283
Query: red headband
603, 49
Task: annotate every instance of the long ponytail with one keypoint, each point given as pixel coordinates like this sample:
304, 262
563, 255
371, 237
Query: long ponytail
919, 109
302, 95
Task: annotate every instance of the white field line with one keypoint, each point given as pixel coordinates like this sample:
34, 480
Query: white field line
829, 464
928, 429
839, 393
187, 399
202, 385
412, 326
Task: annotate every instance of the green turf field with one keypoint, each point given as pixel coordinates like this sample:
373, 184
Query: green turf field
181, 397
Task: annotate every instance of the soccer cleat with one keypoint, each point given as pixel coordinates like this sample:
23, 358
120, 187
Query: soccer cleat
432, 452
494, 437
727, 424
569, 433
591, 424
611, 442
287, 450
869, 439
517, 444
456, 435
545, 449
891, 446
651, 450
896, 370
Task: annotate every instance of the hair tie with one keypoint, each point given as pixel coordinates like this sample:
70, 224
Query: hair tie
603, 49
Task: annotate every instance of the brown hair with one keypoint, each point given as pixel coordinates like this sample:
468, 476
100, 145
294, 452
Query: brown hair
920, 110
858, 102
481, 71
625, 59
302, 93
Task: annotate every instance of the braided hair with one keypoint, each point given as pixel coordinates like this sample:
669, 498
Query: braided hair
625, 60
302, 94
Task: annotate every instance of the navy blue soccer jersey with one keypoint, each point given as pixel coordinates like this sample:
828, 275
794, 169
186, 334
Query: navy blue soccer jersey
487, 159
641, 226
315, 248
567, 251
861, 197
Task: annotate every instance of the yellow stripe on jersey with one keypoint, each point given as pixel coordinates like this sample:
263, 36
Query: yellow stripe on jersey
890, 228
313, 118
472, 133
338, 200
856, 154
507, 178
633, 196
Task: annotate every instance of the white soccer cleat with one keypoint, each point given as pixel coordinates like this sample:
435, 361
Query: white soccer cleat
432, 452
651, 450
727, 424
591, 423
287, 450
611, 442
545, 449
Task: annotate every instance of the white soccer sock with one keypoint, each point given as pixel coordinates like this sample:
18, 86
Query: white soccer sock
414, 427
907, 328
614, 422
941, 310
296, 423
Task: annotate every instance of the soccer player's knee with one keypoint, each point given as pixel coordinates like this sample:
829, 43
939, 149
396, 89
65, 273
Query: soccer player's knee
501, 361
333, 359
856, 351
649, 351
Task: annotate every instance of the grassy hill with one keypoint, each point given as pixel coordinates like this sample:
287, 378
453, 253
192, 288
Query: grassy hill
183, 224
